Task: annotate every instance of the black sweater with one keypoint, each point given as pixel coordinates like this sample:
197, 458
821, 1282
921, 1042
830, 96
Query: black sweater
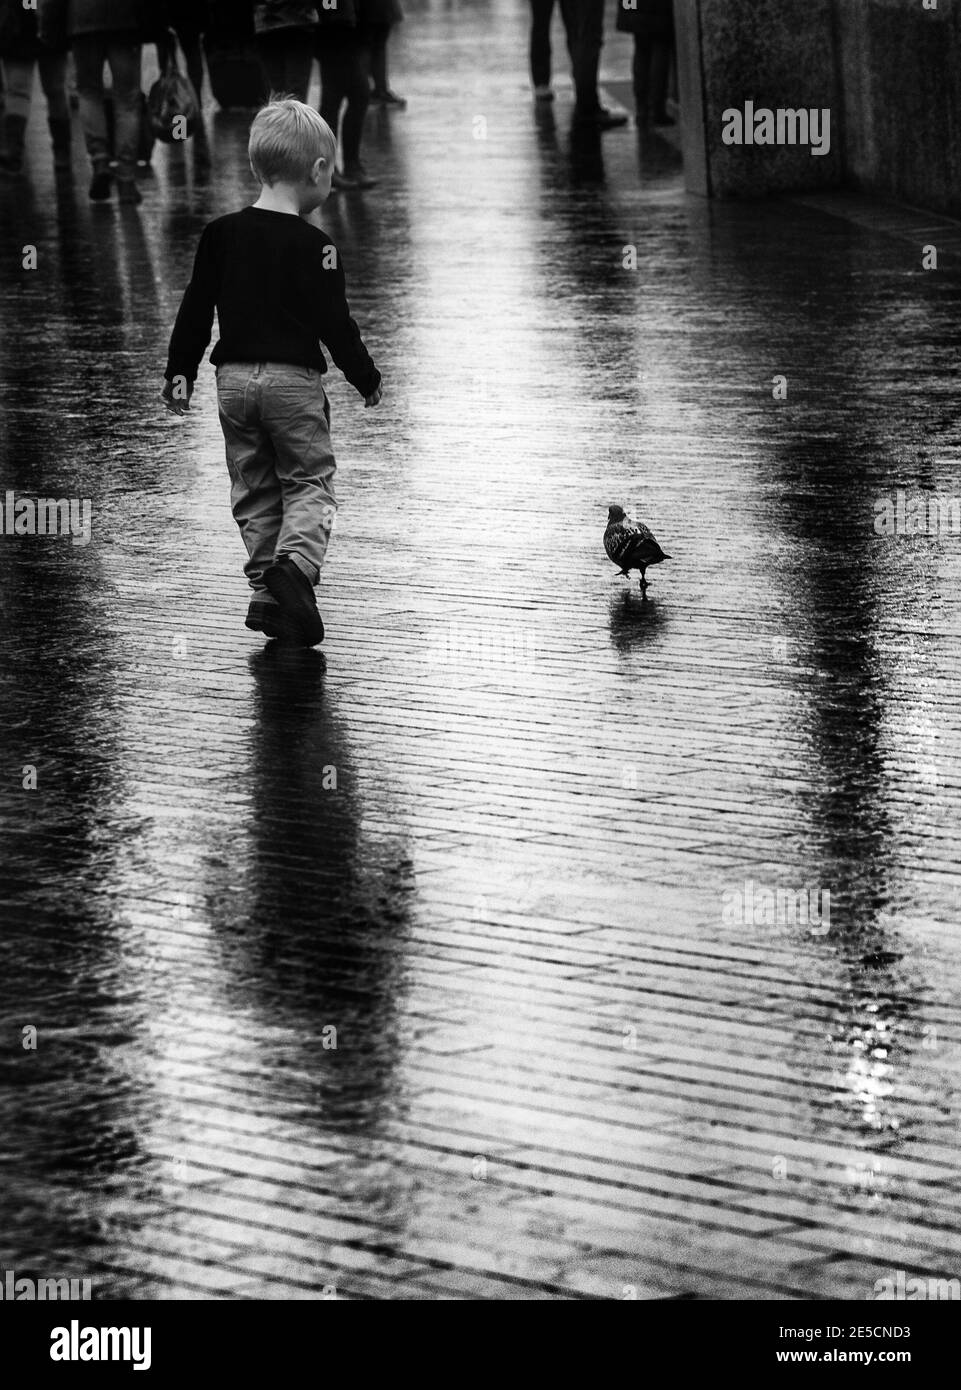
278, 286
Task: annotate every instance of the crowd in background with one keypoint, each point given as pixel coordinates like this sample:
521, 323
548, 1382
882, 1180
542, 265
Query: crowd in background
249, 48
252, 48
652, 24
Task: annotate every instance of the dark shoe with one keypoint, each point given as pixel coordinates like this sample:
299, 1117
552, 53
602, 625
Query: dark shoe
601, 119
14, 138
128, 192
340, 182
543, 94
295, 594
101, 186
61, 135
662, 118
359, 176
388, 98
272, 621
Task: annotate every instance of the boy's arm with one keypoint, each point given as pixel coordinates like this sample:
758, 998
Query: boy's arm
195, 320
341, 334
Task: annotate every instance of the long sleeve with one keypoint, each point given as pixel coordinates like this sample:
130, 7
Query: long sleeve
341, 334
195, 320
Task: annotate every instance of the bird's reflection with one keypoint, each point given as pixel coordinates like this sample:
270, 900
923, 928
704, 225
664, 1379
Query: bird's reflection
634, 618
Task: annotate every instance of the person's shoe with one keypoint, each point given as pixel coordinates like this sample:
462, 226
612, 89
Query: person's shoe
14, 139
339, 182
128, 192
359, 176
662, 118
101, 185
600, 119
388, 98
295, 594
61, 137
543, 94
272, 621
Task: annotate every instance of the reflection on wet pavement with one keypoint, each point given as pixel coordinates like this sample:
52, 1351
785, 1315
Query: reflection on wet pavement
441, 965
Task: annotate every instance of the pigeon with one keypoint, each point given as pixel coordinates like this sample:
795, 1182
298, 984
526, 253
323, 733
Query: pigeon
630, 544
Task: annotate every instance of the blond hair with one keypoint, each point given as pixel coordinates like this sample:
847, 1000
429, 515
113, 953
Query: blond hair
286, 137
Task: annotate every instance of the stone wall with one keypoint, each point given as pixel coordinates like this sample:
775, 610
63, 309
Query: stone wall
901, 86
889, 70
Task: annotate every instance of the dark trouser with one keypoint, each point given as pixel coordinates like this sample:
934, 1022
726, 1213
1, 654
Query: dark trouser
377, 36
542, 11
276, 424
287, 56
90, 52
18, 79
345, 76
584, 21
652, 61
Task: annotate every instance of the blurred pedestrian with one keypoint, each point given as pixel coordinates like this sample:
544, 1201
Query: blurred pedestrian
584, 21
110, 32
21, 55
380, 18
343, 47
652, 24
285, 37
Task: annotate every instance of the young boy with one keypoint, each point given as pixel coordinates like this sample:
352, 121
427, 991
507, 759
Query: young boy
277, 283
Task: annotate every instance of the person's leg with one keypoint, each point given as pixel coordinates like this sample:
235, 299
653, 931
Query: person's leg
193, 55
18, 78
298, 61
540, 46
18, 81
640, 71
124, 58
579, 16
357, 70
333, 87
286, 56
377, 38
295, 415
53, 80
569, 15
89, 55
256, 499
272, 51
590, 38
660, 64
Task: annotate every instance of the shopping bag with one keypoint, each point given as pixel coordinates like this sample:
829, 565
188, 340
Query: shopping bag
172, 102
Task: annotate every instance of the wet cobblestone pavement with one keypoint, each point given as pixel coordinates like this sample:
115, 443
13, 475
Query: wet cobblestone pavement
433, 966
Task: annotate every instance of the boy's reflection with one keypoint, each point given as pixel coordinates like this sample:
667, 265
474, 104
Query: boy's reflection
317, 945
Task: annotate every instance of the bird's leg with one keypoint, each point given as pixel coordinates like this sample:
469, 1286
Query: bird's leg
643, 580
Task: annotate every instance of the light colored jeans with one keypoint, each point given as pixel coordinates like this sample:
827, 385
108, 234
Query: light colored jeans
90, 52
276, 423
18, 77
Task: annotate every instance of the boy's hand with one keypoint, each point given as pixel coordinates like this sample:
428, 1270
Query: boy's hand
374, 398
176, 395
